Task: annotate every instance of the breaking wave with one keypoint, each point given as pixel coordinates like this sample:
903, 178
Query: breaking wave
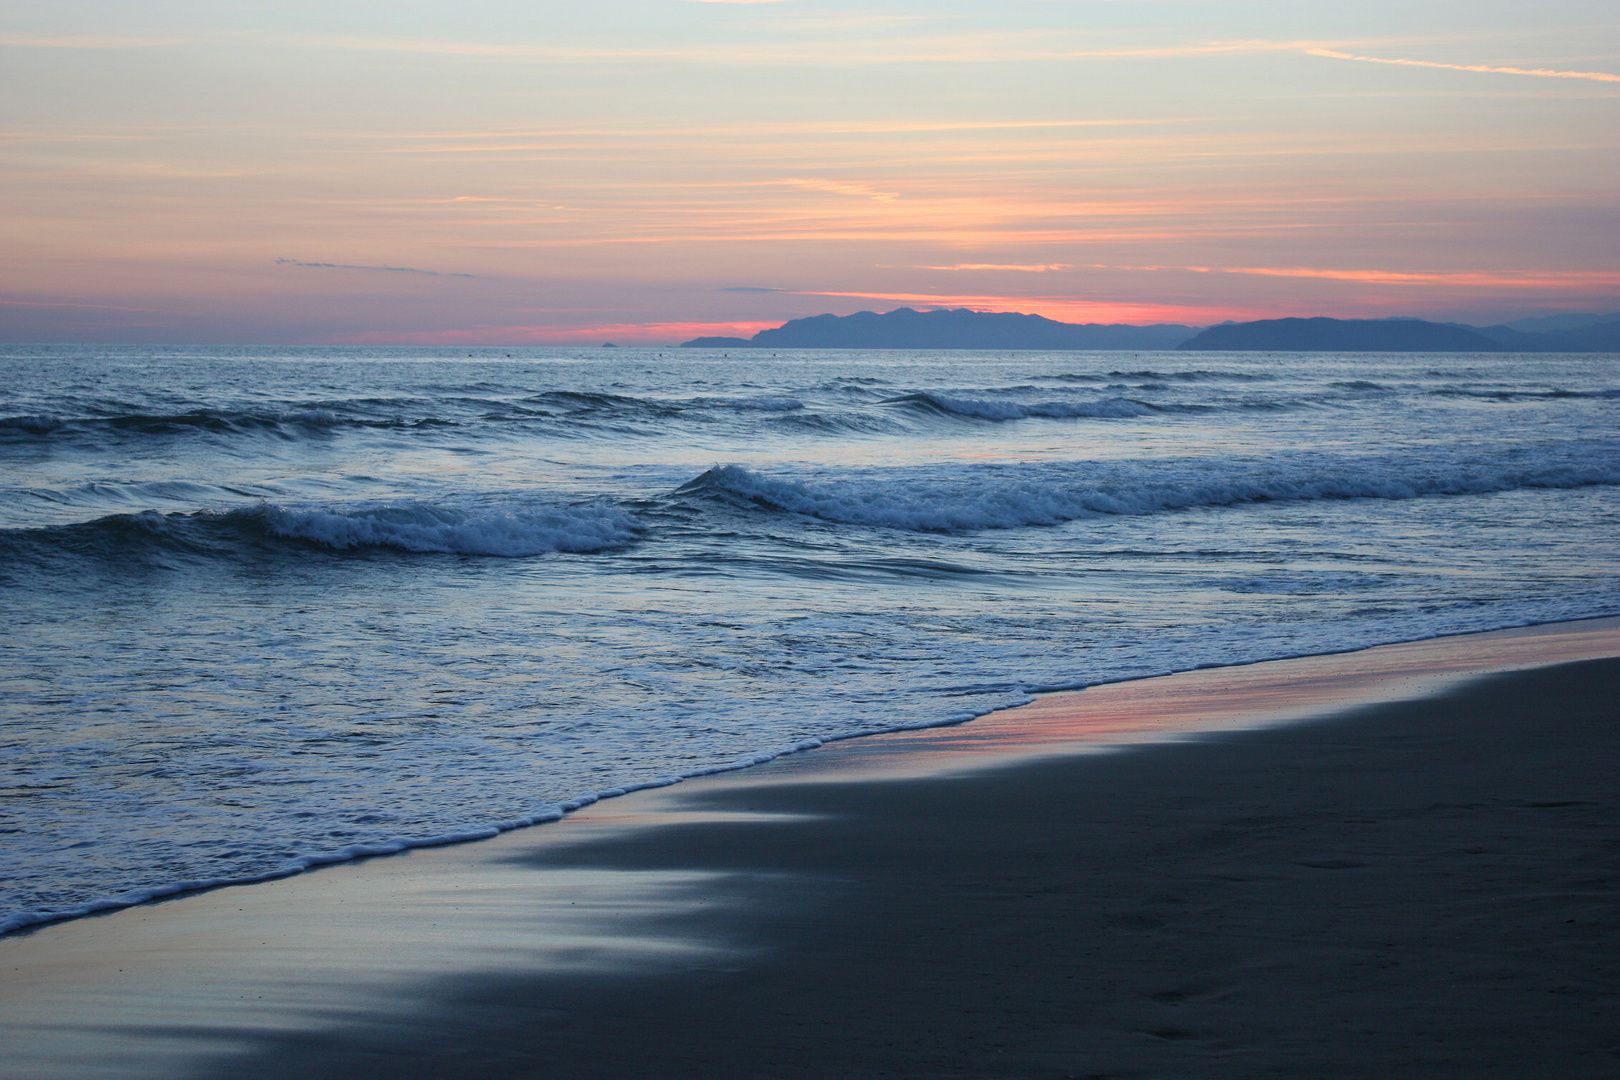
1006, 501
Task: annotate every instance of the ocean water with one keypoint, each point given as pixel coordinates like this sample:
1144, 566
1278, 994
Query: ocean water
269, 608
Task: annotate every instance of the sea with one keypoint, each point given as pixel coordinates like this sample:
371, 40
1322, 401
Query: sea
263, 609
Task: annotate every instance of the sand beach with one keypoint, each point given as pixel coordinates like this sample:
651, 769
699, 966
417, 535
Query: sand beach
1397, 863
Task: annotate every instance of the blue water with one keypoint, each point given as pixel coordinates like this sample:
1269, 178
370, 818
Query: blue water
266, 608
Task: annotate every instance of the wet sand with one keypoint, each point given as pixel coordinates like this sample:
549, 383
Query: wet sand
1382, 864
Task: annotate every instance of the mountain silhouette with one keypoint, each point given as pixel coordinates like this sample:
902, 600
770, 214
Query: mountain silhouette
1343, 335
959, 328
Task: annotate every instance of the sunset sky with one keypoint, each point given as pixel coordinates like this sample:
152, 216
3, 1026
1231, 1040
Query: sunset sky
505, 172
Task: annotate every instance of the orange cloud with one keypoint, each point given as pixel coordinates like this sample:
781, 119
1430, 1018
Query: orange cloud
1028, 268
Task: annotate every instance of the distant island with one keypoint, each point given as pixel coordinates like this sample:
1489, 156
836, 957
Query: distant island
960, 328
1341, 335
1559, 333
1403, 335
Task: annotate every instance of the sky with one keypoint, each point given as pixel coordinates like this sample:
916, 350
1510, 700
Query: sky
643, 171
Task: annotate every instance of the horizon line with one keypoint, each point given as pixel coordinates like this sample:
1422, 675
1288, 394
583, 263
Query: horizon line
484, 338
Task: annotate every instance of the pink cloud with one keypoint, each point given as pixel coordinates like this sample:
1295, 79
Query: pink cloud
651, 333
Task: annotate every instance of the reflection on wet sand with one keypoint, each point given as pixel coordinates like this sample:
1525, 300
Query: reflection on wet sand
1204, 701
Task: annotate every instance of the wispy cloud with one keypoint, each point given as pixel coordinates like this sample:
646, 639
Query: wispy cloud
648, 333
64, 304
382, 269
1012, 47
32, 41
750, 289
785, 127
1239, 46
1028, 268
1553, 279
1544, 280
69, 137
839, 187
1546, 73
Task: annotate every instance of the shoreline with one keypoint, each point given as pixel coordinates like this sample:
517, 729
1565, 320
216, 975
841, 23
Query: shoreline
24, 922
520, 951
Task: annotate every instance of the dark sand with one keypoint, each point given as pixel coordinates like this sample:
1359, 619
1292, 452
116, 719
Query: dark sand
1421, 889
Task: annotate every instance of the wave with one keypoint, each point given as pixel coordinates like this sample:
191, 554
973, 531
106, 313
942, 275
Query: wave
568, 408
1159, 376
1105, 408
995, 500
423, 528
577, 402
111, 496
853, 406
1192, 376
835, 423
33, 424
1303, 583
1525, 395
754, 404
510, 531
289, 423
